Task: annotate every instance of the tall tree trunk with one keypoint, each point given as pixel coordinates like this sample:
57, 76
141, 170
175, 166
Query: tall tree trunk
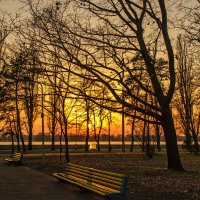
65, 120
54, 108
195, 133
148, 143
144, 135
98, 144
53, 140
144, 127
158, 146
187, 127
196, 145
17, 136
12, 139
30, 123
22, 140
30, 138
53, 124
98, 136
132, 132
19, 132
66, 142
42, 117
123, 119
173, 157
60, 140
87, 129
109, 137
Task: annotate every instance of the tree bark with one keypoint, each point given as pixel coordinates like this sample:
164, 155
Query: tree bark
173, 157
66, 143
19, 132
158, 146
87, 128
132, 132
196, 144
109, 137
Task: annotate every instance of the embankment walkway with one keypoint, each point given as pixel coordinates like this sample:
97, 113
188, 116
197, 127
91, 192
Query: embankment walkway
23, 183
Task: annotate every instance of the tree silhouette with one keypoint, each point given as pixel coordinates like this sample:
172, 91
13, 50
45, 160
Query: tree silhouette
111, 36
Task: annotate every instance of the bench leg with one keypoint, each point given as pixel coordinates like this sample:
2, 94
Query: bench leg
116, 196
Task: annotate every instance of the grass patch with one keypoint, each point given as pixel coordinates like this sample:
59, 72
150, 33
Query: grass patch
147, 178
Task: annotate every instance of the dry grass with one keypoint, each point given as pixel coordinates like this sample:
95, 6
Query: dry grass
147, 178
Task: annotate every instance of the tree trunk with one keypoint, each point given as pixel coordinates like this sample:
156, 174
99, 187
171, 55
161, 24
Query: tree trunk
196, 145
30, 123
66, 143
17, 137
109, 142
19, 132
18, 142
30, 139
188, 139
144, 127
187, 128
52, 140
144, 135
98, 145
22, 140
158, 146
12, 148
123, 119
98, 136
173, 157
53, 127
148, 143
87, 129
132, 134
12, 138
60, 139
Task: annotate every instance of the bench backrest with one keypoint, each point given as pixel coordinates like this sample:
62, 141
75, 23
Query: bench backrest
17, 156
112, 181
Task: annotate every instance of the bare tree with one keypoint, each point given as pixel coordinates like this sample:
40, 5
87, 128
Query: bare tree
13, 74
30, 74
7, 24
189, 21
125, 29
188, 98
110, 120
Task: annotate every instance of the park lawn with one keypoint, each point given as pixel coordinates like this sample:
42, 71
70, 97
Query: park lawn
147, 178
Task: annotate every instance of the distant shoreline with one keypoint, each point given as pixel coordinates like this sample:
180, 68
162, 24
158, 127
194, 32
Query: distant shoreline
38, 143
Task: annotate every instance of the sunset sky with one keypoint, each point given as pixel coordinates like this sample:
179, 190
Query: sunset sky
16, 7
13, 7
10, 5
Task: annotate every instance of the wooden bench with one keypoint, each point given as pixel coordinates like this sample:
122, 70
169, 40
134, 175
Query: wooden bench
108, 184
15, 159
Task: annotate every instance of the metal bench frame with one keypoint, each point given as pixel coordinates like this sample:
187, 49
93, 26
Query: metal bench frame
15, 159
108, 184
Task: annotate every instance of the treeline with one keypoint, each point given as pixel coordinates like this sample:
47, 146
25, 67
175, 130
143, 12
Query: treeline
78, 62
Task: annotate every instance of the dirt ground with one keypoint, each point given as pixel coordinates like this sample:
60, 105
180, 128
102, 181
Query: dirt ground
148, 179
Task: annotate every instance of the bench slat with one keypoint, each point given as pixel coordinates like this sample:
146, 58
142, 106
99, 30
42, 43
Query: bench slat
94, 180
85, 185
99, 176
97, 170
111, 178
109, 184
15, 158
92, 184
